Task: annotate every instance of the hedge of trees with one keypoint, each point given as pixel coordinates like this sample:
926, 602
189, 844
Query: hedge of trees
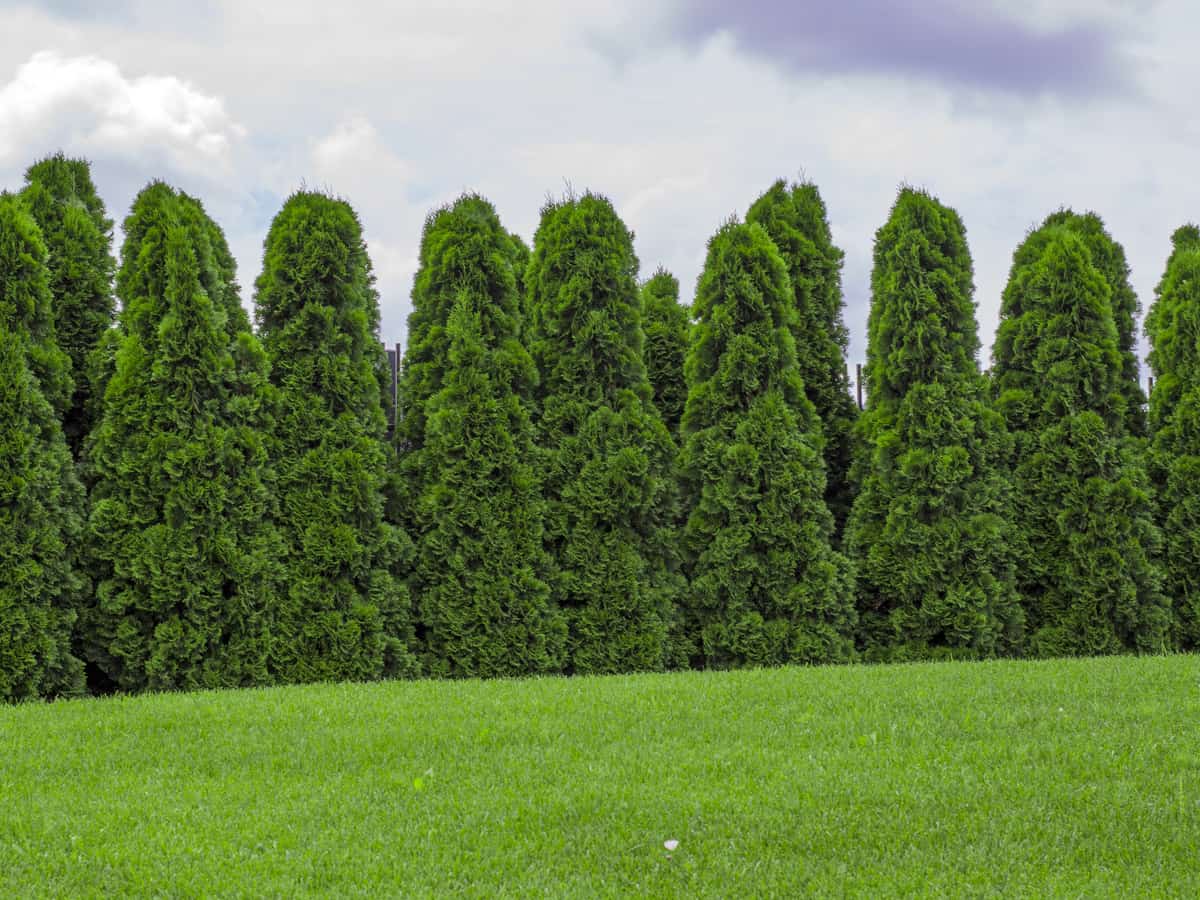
585, 475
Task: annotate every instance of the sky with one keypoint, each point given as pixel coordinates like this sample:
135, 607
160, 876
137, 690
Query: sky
680, 111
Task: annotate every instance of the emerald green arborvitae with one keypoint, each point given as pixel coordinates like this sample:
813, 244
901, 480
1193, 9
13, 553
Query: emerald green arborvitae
1108, 257
665, 322
1173, 326
930, 529
62, 198
180, 525
606, 454
1088, 541
343, 614
520, 263
766, 585
795, 218
484, 608
41, 499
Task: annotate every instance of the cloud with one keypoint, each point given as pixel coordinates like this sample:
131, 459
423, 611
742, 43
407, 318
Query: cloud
86, 104
964, 43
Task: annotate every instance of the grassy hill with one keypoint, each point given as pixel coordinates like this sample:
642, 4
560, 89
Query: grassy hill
1063, 778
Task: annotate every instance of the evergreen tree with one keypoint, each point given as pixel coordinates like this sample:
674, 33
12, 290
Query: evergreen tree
62, 198
795, 218
930, 528
41, 500
484, 606
344, 615
476, 507
1173, 325
1087, 572
1108, 257
766, 586
606, 454
218, 269
665, 322
180, 522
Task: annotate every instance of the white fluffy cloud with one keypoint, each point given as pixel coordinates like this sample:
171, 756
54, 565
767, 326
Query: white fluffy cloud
86, 105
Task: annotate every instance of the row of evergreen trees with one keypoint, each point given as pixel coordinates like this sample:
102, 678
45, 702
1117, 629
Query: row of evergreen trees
585, 475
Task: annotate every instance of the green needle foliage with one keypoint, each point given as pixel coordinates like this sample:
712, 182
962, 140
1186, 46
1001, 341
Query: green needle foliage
41, 499
1088, 540
344, 614
665, 322
606, 454
477, 510
795, 218
1173, 326
930, 527
766, 586
62, 199
180, 524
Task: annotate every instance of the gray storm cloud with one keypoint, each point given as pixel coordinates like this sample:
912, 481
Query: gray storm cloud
964, 43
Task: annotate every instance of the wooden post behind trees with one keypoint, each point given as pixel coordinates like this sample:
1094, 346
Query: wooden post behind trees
858, 384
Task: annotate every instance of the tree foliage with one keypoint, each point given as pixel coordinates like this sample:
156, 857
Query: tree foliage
766, 586
1173, 326
78, 233
930, 529
795, 218
606, 454
665, 322
344, 614
477, 510
1087, 573
41, 500
180, 525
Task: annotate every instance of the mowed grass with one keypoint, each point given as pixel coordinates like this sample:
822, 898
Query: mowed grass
1065, 778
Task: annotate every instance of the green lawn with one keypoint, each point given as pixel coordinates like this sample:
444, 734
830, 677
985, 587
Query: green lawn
1065, 778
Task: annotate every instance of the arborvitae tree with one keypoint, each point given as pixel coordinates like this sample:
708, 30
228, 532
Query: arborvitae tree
180, 522
766, 586
218, 269
606, 454
930, 528
484, 607
344, 614
1087, 572
475, 504
1108, 257
62, 198
666, 322
795, 218
41, 500
1173, 326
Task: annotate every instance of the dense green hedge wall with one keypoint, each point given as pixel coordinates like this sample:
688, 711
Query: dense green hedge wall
583, 473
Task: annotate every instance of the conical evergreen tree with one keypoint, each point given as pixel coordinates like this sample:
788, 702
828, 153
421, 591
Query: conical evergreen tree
475, 504
930, 529
180, 521
344, 614
62, 198
484, 607
1173, 325
1108, 257
795, 218
41, 500
1087, 572
606, 454
665, 322
766, 586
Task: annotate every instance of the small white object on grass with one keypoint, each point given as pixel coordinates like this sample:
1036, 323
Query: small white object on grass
671, 845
